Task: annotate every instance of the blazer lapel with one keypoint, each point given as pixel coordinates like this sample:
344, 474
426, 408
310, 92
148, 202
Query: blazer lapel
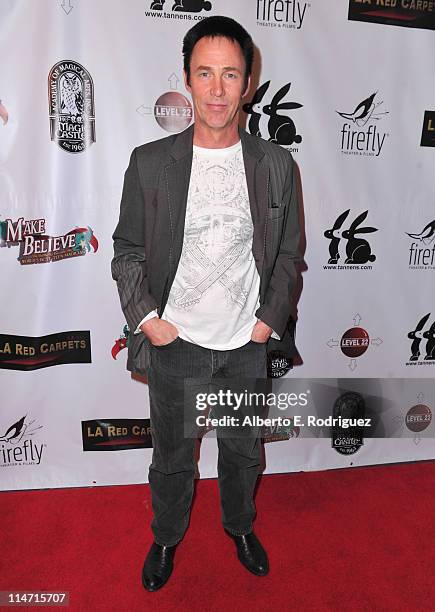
177, 177
257, 178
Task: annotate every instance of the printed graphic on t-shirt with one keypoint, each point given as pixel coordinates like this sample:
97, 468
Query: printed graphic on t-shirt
216, 266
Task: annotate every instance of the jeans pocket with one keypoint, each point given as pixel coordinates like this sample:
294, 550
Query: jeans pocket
168, 345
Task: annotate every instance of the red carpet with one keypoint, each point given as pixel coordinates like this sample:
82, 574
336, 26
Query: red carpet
350, 540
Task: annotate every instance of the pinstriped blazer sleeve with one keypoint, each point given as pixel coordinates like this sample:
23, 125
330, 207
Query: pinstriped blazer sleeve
277, 306
129, 266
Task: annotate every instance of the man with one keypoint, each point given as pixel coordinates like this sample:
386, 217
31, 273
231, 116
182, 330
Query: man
204, 261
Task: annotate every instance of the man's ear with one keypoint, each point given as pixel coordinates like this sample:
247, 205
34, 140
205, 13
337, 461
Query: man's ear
247, 87
186, 84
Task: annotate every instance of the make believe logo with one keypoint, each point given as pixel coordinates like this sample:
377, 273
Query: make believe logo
368, 140
280, 127
35, 246
279, 433
17, 445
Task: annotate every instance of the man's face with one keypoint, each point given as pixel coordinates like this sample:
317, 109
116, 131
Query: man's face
217, 77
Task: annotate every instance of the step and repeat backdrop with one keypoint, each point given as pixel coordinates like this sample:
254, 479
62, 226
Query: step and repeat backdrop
347, 87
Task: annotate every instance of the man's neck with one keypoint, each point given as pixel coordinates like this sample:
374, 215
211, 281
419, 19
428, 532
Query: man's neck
215, 139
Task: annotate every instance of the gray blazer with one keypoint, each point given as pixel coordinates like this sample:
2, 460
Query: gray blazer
149, 236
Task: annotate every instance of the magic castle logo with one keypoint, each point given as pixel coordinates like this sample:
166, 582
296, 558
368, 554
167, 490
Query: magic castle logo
421, 252
71, 106
181, 9
360, 134
348, 244
287, 14
36, 246
17, 443
407, 13
172, 110
280, 127
423, 342
349, 405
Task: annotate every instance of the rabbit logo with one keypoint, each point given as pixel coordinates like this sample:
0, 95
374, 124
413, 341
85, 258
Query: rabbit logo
428, 132
368, 140
281, 128
186, 6
417, 336
358, 250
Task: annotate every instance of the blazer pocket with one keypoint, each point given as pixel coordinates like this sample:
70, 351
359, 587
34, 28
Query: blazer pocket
276, 213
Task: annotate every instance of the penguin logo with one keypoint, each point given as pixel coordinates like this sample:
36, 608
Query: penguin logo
426, 235
364, 111
15, 433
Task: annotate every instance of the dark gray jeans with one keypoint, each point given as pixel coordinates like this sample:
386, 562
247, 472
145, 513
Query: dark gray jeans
171, 473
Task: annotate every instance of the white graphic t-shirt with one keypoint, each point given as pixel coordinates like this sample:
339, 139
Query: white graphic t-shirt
215, 292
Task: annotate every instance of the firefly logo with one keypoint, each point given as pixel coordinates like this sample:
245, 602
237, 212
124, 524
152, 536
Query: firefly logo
368, 141
281, 13
17, 447
422, 258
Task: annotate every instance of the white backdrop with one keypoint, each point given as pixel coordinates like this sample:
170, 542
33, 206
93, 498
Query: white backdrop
133, 56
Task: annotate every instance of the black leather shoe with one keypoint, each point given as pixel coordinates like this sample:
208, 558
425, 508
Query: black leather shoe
251, 554
158, 566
